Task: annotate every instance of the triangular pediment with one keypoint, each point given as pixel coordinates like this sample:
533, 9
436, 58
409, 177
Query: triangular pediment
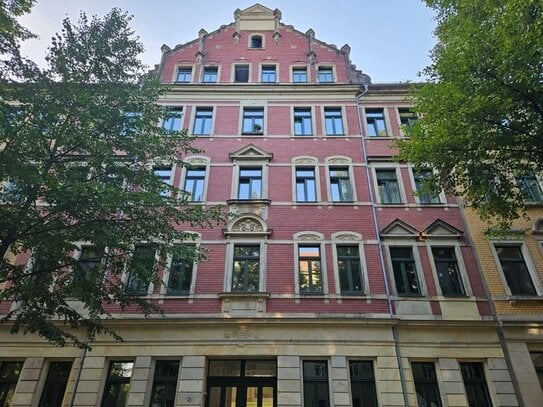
399, 228
440, 228
251, 152
256, 9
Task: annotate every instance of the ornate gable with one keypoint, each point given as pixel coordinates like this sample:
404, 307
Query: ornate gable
251, 152
399, 228
440, 228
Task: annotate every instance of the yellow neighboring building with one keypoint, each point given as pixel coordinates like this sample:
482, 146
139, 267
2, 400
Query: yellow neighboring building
512, 266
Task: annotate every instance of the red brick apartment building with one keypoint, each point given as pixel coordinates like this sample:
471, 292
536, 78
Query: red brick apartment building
333, 284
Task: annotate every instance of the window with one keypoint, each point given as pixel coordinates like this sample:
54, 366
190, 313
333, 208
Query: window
375, 119
316, 383
325, 74
268, 74
420, 176
405, 271
242, 383
407, 117
88, 262
131, 120
172, 119
447, 270
253, 120
180, 277
340, 184
9, 376
246, 270
184, 74
210, 74
117, 383
387, 186
515, 270
202, 120
537, 360
475, 384
164, 383
363, 389
333, 121
55, 384
302, 122
350, 271
250, 183
530, 188
299, 75
142, 260
426, 386
194, 184
256, 41
164, 174
306, 187
309, 265
241, 73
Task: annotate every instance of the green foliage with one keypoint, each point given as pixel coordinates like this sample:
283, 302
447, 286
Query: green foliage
76, 145
482, 110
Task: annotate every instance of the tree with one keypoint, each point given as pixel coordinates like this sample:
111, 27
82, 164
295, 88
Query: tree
482, 110
78, 143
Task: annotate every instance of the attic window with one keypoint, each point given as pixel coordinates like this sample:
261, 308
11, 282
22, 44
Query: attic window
256, 41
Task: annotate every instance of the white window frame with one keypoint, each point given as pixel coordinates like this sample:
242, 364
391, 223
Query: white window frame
313, 122
242, 109
239, 63
460, 263
197, 161
229, 264
325, 65
238, 164
307, 162
532, 270
250, 40
401, 243
340, 161
388, 166
168, 265
176, 71
442, 197
193, 120
270, 63
348, 238
389, 132
343, 121
126, 273
313, 239
307, 73
218, 67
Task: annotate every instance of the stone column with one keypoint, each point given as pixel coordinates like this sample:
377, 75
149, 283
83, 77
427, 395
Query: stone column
340, 381
90, 382
191, 387
453, 386
28, 382
289, 380
139, 382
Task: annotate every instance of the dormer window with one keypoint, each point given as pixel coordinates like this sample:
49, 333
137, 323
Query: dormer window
256, 41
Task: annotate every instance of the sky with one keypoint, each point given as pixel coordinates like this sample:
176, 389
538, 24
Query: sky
390, 40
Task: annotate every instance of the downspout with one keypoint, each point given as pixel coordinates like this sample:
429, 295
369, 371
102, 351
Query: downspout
78, 378
379, 244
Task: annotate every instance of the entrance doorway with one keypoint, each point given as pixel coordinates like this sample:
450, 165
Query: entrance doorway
242, 383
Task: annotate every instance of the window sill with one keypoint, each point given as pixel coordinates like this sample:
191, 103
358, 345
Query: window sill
513, 299
258, 201
244, 294
253, 134
379, 137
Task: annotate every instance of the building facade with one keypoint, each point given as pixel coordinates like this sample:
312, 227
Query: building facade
512, 265
332, 284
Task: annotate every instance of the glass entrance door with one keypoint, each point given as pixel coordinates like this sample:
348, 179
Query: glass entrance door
241, 383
